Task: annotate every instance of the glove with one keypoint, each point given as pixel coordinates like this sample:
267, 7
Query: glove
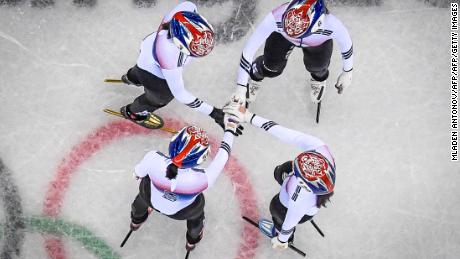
343, 81
218, 116
232, 125
240, 112
278, 245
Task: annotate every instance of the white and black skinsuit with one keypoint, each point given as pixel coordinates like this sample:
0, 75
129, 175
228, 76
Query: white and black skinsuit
180, 198
294, 204
316, 47
159, 69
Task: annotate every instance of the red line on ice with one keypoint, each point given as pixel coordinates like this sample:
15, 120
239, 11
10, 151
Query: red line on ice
54, 247
105, 135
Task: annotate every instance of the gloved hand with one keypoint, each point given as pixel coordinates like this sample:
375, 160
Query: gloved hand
232, 125
218, 116
278, 245
344, 81
239, 111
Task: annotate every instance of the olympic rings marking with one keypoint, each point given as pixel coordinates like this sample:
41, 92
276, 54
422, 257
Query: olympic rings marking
14, 224
54, 226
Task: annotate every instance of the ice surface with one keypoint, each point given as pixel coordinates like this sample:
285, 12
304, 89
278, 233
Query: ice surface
397, 191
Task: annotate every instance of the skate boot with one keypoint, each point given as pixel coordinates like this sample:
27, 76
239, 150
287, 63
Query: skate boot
192, 242
317, 90
246, 94
126, 80
189, 246
267, 228
145, 119
136, 222
253, 88
134, 226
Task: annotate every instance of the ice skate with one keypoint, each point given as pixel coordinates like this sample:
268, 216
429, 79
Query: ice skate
267, 228
191, 243
134, 226
318, 89
253, 88
145, 119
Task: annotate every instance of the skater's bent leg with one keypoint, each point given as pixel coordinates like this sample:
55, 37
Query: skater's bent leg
272, 63
132, 75
156, 94
195, 229
139, 210
317, 60
276, 53
149, 102
158, 98
141, 204
278, 212
194, 214
141, 105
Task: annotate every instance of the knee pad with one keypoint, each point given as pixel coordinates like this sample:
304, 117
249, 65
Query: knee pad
273, 72
257, 72
320, 75
259, 69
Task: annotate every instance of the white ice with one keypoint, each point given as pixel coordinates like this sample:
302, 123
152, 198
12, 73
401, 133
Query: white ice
397, 191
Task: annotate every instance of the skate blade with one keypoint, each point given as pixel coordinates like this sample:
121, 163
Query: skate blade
109, 80
153, 122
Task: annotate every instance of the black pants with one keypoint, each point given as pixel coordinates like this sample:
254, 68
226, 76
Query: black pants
278, 212
156, 91
277, 50
194, 213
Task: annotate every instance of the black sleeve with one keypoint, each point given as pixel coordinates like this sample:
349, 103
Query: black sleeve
281, 171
